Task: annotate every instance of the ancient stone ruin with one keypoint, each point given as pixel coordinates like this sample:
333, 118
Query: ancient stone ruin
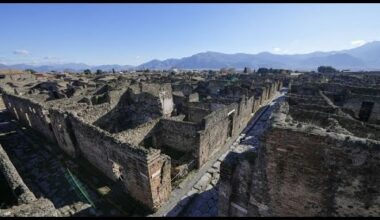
319, 154
145, 132
191, 144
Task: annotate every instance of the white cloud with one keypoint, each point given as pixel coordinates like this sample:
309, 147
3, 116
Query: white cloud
277, 49
137, 57
358, 43
22, 52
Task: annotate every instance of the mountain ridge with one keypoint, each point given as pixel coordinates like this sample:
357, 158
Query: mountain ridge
365, 57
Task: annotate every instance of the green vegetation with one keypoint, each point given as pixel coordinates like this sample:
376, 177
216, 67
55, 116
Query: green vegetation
273, 71
31, 71
87, 71
98, 72
327, 69
247, 70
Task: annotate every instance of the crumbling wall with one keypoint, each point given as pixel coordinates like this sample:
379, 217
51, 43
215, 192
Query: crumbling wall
30, 113
139, 104
216, 124
159, 169
354, 103
244, 113
215, 132
323, 119
303, 174
163, 91
64, 132
195, 114
179, 135
106, 153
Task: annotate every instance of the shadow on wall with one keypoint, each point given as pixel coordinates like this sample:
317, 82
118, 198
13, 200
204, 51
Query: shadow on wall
131, 111
38, 168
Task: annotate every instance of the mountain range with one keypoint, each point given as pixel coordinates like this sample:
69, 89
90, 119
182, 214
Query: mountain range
365, 57
66, 67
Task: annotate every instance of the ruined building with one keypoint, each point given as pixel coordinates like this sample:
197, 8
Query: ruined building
144, 131
319, 155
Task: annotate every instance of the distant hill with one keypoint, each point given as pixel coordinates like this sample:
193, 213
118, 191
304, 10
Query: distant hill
74, 67
365, 57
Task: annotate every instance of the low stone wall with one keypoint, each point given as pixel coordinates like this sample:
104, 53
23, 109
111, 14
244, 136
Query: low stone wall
321, 119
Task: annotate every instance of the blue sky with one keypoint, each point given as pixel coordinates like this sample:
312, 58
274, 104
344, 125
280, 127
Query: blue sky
136, 33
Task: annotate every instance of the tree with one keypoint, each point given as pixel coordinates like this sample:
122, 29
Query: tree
247, 70
87, 71
113, 70
31, 71
326, 69
263, 71
98, 71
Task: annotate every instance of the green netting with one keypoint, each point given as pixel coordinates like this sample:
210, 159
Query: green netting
78, 187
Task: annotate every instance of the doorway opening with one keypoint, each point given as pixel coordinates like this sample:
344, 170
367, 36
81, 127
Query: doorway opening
365, 111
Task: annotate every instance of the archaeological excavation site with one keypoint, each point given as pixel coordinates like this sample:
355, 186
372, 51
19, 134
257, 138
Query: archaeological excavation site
194, 144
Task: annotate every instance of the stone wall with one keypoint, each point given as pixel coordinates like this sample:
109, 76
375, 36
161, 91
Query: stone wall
64, 132
29, 113
99, 147
354, 103
303, 174
179, 135
195, 114
323, 119
134, 168
214, 134
215, 125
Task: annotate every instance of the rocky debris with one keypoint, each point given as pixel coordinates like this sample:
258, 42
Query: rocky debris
38, 208
202, 183
21, 191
